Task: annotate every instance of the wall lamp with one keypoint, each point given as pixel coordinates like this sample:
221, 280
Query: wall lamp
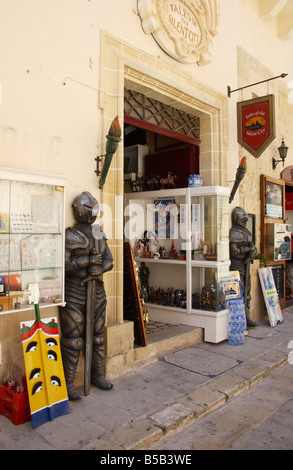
283, 150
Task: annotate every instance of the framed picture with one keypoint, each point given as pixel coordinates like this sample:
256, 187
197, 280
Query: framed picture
270, 294
230, 283
2, 286
256, 124
274, 200
4, 227
166, 218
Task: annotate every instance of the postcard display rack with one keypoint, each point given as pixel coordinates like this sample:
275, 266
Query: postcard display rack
188, 253
31, 238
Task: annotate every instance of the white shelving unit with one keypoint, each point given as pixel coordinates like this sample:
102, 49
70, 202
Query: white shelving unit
195, 214
31, 238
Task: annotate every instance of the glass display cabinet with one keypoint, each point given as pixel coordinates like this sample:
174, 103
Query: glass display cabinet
31, 239
180, 239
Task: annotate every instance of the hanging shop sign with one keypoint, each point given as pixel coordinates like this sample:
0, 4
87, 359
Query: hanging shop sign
256, 124
183, 29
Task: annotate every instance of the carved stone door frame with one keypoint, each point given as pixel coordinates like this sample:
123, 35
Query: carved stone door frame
124, 65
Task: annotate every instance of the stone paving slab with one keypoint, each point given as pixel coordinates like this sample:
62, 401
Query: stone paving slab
172, 417
161, 395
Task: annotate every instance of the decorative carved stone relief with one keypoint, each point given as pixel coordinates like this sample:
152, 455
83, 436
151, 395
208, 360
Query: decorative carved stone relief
184, 29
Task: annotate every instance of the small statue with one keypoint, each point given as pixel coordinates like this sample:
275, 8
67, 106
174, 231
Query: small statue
87, 257
152, 183
205, 301
242, 251
152, 295
168, 182
173, 252
144, 274
221, 299
138, 248
195, 301
213, 298
151, 241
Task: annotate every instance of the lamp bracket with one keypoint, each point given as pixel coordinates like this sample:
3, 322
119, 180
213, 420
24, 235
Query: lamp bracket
99, 159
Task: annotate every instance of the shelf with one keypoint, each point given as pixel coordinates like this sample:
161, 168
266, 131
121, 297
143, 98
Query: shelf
16, 271
166, 307
209, 264
31, 307
30, 233
210, 313
193, 263
199, 191
161, 261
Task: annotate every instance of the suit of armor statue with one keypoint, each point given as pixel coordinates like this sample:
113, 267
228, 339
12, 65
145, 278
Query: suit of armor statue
87, 256
242, 250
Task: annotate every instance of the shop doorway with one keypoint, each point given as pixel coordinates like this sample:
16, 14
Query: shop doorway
160, 143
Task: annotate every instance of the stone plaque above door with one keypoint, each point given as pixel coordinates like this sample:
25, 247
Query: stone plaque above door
184, 29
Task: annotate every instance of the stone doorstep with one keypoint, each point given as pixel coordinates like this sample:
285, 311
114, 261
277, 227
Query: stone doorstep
169, 340
144, 433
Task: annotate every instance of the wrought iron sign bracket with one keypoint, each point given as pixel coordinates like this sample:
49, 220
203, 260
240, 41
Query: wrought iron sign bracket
229, 91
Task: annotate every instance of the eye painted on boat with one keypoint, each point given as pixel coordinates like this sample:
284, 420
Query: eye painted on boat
35, 373
55, 381
32, 346
37, 388
51, 342
52, 355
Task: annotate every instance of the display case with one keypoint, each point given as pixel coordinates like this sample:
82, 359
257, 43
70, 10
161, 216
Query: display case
180, 239
31, 239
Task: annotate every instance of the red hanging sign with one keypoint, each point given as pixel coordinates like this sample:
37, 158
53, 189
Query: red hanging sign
256, 124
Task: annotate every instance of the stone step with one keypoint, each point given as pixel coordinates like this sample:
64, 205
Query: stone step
164, 338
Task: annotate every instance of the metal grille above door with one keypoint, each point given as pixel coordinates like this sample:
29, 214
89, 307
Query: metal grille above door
154, 112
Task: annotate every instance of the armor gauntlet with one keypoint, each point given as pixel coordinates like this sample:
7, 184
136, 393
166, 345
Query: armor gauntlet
76, 263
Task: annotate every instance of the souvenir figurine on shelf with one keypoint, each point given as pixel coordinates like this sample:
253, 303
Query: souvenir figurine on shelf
159, 296
182, 255
146, 252
152, 295
165, 298
221, 299
138, 248
173, 252
163, 252
211, 252
138, 185
178, 298
144, 274
195, 301
151, 241
171, 297
168, 182
152, 183
205, 299
213, 298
